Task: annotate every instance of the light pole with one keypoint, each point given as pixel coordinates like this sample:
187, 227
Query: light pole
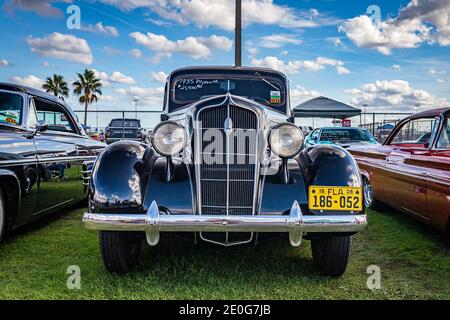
417, 105
135, 100
365, 105
238, 35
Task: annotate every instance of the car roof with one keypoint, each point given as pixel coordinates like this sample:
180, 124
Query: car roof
29, 90
429, 113
228, 68
351, 128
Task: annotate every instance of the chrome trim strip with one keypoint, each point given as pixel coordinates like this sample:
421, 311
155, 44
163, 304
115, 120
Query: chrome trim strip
295, 223
44, 160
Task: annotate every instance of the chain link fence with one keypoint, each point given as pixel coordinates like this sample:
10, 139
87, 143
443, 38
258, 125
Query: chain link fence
380, 124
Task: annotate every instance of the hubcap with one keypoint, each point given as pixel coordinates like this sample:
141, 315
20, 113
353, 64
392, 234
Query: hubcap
368, 193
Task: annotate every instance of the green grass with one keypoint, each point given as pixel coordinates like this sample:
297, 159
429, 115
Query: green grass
414, 262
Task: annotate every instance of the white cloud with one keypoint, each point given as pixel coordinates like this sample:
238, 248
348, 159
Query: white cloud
116, 77
62, 46
121, 78
101, 29
45, 64
103, 76
433, 71
159, 76
421, 21
42, 7
295, 66
220, 13
136, 53
195, 47
300, 94
396, 67
279, 40
152, 97
29, 81
396, 95
4, 63
112, 51
108, 98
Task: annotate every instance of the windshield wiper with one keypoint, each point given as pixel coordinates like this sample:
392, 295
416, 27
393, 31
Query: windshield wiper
266, 81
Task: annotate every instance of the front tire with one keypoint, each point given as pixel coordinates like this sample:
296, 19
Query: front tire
369, 197
120, 250
331, 254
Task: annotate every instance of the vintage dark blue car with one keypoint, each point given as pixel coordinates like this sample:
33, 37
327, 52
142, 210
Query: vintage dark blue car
45, 156
227, 166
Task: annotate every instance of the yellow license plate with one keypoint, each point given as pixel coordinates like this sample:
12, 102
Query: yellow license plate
335, 198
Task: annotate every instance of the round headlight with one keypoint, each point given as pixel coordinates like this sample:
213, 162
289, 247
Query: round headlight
286, 140
169, 138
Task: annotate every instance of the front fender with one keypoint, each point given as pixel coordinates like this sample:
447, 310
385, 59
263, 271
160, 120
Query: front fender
329, 165
118, 180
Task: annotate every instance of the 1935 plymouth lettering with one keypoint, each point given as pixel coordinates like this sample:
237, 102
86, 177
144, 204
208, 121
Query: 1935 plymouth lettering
226, 165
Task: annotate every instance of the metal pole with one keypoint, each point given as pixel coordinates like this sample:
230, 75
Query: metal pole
238, 35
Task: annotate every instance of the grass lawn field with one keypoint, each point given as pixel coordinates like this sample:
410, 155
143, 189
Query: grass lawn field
414, 262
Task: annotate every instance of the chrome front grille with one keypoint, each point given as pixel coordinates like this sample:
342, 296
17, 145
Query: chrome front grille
227, 164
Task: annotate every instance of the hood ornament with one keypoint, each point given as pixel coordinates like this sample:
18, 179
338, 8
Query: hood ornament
228, 126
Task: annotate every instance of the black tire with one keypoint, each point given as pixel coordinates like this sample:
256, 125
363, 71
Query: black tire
120, 250
331, 254
2, 216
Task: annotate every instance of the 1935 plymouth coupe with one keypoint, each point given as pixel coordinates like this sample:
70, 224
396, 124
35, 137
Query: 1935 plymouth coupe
45, 156
226, 166
411, 170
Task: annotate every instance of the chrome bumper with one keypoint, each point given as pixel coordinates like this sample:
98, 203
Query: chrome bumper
153, 223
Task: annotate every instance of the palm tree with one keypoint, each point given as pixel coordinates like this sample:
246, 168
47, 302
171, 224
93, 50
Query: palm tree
88, 87
56, 86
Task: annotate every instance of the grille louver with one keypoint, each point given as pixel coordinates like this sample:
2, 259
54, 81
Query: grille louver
228, 166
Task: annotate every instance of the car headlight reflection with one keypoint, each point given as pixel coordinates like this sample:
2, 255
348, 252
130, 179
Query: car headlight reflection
169, 138
286, 140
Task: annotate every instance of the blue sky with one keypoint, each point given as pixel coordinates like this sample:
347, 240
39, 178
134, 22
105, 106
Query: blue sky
327, 47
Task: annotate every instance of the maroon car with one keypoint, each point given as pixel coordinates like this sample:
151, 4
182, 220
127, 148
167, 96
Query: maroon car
410, 171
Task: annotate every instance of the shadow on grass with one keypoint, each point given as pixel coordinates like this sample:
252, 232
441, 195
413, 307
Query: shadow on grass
414, 225
45, 221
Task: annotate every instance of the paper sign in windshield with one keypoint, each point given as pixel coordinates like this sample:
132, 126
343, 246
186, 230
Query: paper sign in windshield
8, 117
275, 97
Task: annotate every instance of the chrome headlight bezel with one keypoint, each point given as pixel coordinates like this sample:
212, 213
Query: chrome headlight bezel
296, 148
156, 142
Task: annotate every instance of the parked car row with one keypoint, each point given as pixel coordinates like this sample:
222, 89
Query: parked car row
228, 191
45, 156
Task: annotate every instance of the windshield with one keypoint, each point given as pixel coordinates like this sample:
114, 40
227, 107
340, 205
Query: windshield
10, 108
125, 123
265, 90
345, 135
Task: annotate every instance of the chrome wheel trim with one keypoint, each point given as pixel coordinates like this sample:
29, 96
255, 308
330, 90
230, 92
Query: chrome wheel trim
368, 193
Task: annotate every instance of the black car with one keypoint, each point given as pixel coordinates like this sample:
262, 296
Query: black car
124, 129
227, 166
45, 156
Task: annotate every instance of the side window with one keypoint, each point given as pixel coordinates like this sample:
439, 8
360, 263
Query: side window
415, 132
32, 115
55, 116
444, 138
315, 134
10, 108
